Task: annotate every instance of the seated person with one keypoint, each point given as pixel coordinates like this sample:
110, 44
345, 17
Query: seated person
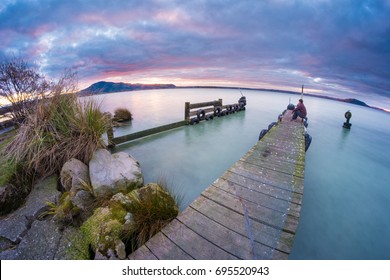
299, 111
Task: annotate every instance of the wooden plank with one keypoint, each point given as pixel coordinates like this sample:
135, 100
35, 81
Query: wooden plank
273, 178
257, 212
163, 248
226, 238
207, 110
194, 244
259, 198
282, 153
205, 104
263, 234
262, 187
236, 244
142, 253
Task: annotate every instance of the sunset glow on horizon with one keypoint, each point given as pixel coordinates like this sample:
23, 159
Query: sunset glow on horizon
336, 48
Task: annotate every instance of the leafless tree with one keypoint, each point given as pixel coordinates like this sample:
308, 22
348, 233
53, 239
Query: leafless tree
23, 86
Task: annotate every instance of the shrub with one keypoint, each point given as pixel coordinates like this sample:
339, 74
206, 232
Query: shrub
14, 186
122, 114
152, 208
61, 128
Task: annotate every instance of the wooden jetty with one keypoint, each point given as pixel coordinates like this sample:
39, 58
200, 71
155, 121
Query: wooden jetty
202, 111
251, 212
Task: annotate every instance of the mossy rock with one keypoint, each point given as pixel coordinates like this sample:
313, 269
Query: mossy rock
104, 227
65, 210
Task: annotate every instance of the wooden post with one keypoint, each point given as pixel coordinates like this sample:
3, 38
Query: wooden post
187, 111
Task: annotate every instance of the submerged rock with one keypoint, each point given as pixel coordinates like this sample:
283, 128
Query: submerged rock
111, 174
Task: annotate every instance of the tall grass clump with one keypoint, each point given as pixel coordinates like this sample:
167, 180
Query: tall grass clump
59, 129
152, 208
122, 114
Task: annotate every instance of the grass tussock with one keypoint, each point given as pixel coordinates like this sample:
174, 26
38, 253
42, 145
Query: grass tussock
122, 114
59, 129
152, 209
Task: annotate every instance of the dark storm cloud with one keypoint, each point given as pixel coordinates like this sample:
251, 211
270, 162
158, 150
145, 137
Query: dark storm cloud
333, 47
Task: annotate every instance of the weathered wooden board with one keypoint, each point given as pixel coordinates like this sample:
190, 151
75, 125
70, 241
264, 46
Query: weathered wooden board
194, 244
260, 198
262, 187
257, 212
163, 248
143, 253
205, 104
230, 241
284, 181
269, 236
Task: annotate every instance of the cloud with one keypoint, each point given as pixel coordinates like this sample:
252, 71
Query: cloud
338, 47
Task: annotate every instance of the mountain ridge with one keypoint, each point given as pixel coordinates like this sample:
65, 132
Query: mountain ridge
110, 87
103, 87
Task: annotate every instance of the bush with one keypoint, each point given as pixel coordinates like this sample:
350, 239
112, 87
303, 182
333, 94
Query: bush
122, 114
152, 208
14, 184
61, 128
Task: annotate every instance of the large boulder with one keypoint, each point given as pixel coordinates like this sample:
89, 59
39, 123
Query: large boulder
75, 180
115, 173
74, 174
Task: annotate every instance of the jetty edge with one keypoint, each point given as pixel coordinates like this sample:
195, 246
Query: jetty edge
251, 211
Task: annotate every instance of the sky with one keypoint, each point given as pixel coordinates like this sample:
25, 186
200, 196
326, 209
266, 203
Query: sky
337, 48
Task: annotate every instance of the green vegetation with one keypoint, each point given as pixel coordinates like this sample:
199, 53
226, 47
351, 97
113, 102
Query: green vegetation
122, 114
104, 227
61, 128
152, 208
16, 184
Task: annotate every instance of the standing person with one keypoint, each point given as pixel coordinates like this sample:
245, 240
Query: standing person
299, 111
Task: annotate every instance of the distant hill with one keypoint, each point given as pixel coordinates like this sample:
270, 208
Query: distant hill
355, 101
107, 87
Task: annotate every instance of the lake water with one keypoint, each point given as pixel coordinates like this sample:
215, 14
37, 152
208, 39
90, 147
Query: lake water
346, 203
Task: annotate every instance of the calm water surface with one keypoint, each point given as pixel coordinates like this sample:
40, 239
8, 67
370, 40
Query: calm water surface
346, 202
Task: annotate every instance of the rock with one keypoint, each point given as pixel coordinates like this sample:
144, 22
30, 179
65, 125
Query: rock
115, 173
74, 174
104, 227
75, 179
128, 218
83, 200
153, 194
72, 246
40, 243
5, 244
122, 199
15, 224
120, 249
99, 256
10, 198
148, 189
111, 255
